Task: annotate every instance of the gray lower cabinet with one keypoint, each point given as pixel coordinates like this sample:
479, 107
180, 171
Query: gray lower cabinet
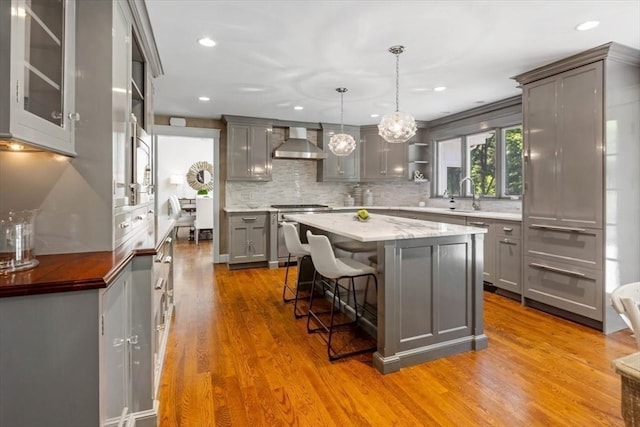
127, 344
80, 358
248, 151
508, 253
489, 268
379, 160
338, 168
248, 237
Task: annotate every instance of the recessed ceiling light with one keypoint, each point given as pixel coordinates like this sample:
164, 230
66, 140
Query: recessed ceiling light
374, 115
439, 88
298, 107
206, 41
251, 89
587, 25
204, 98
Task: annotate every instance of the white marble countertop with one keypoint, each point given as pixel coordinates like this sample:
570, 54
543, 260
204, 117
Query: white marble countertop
509, 216
380, 227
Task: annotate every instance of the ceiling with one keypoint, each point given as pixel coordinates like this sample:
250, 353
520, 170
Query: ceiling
273, 55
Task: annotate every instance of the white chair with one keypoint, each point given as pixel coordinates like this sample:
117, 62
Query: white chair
182, 220
301, 251
625, 299
335, 270
204, 215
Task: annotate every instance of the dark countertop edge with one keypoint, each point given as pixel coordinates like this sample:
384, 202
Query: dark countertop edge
111, 264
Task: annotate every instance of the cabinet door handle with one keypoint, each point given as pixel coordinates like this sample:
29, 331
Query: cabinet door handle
159, 257
556, 269
169, 240
74, 117
479, 224
167, 259
507, 229
133, 339
159, 283
558, 228
508, 242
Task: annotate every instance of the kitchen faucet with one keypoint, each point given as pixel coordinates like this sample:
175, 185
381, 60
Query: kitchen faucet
475, 204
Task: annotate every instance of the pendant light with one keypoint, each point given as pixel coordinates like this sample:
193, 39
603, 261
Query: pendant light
397, 127
342, 144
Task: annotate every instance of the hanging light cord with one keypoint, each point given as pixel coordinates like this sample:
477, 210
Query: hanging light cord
341, 112
397, 82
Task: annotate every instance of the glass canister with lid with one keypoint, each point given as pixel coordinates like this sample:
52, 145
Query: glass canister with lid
17, 239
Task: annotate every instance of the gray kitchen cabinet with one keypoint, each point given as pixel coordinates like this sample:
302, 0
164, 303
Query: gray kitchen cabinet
338, 168
489, 267
508, 253
565, 160
248, 150
249, 238
162, 305
38, 55
127, 343
380, 160
578, 115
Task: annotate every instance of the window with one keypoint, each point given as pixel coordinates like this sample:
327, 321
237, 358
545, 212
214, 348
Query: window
481, 163
512, 138
492, 159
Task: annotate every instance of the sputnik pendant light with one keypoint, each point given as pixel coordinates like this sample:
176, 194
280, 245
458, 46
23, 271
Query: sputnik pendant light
342, 144
397, 127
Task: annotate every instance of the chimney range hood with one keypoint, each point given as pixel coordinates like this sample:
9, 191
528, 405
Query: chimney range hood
298, 147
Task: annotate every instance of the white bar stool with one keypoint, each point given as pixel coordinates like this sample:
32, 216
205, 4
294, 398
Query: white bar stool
335, 270
301, 251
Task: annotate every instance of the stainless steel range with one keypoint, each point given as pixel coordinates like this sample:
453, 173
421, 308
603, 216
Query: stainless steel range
298, 209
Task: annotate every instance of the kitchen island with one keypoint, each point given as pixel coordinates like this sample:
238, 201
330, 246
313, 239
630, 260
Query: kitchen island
429, 301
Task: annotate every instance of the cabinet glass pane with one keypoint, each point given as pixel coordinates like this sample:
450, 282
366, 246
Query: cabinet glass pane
43, 61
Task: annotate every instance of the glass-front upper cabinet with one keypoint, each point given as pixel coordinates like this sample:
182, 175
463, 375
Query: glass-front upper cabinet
41, 95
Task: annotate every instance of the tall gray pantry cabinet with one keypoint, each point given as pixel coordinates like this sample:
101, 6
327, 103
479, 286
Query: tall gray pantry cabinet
581, 198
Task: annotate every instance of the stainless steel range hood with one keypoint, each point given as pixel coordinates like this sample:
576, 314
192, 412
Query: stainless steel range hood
298, 147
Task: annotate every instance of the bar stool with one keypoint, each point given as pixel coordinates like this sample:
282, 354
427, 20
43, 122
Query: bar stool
301, 251
334, 270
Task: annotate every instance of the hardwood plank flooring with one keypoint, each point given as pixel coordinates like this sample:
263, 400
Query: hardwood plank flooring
237, 357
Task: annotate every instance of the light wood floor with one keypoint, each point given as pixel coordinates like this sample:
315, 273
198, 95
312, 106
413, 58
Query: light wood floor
237, 357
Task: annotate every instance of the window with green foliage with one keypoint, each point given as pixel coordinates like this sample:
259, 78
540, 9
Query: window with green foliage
481, 163
512, 138
492, 159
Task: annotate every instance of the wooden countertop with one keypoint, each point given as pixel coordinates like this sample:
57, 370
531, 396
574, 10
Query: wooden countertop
83, 271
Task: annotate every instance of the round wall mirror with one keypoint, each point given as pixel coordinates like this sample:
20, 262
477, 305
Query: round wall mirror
200, 176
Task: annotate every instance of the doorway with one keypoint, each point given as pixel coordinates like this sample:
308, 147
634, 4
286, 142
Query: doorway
177, 150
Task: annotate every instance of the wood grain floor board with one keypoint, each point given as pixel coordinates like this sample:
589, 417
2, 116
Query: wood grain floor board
237, 357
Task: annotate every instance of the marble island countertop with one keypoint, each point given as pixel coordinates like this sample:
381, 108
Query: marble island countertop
509, 216
381, 227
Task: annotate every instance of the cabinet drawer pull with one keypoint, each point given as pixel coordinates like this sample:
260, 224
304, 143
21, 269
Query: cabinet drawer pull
558, 228
169, 240
480, 224
124, 224
247, 218
167, 259
159, 257
507, 229
556, 269
159, 283
508, 242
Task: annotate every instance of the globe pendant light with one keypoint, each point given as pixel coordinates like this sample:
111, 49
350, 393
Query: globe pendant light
397, 127
342, 144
